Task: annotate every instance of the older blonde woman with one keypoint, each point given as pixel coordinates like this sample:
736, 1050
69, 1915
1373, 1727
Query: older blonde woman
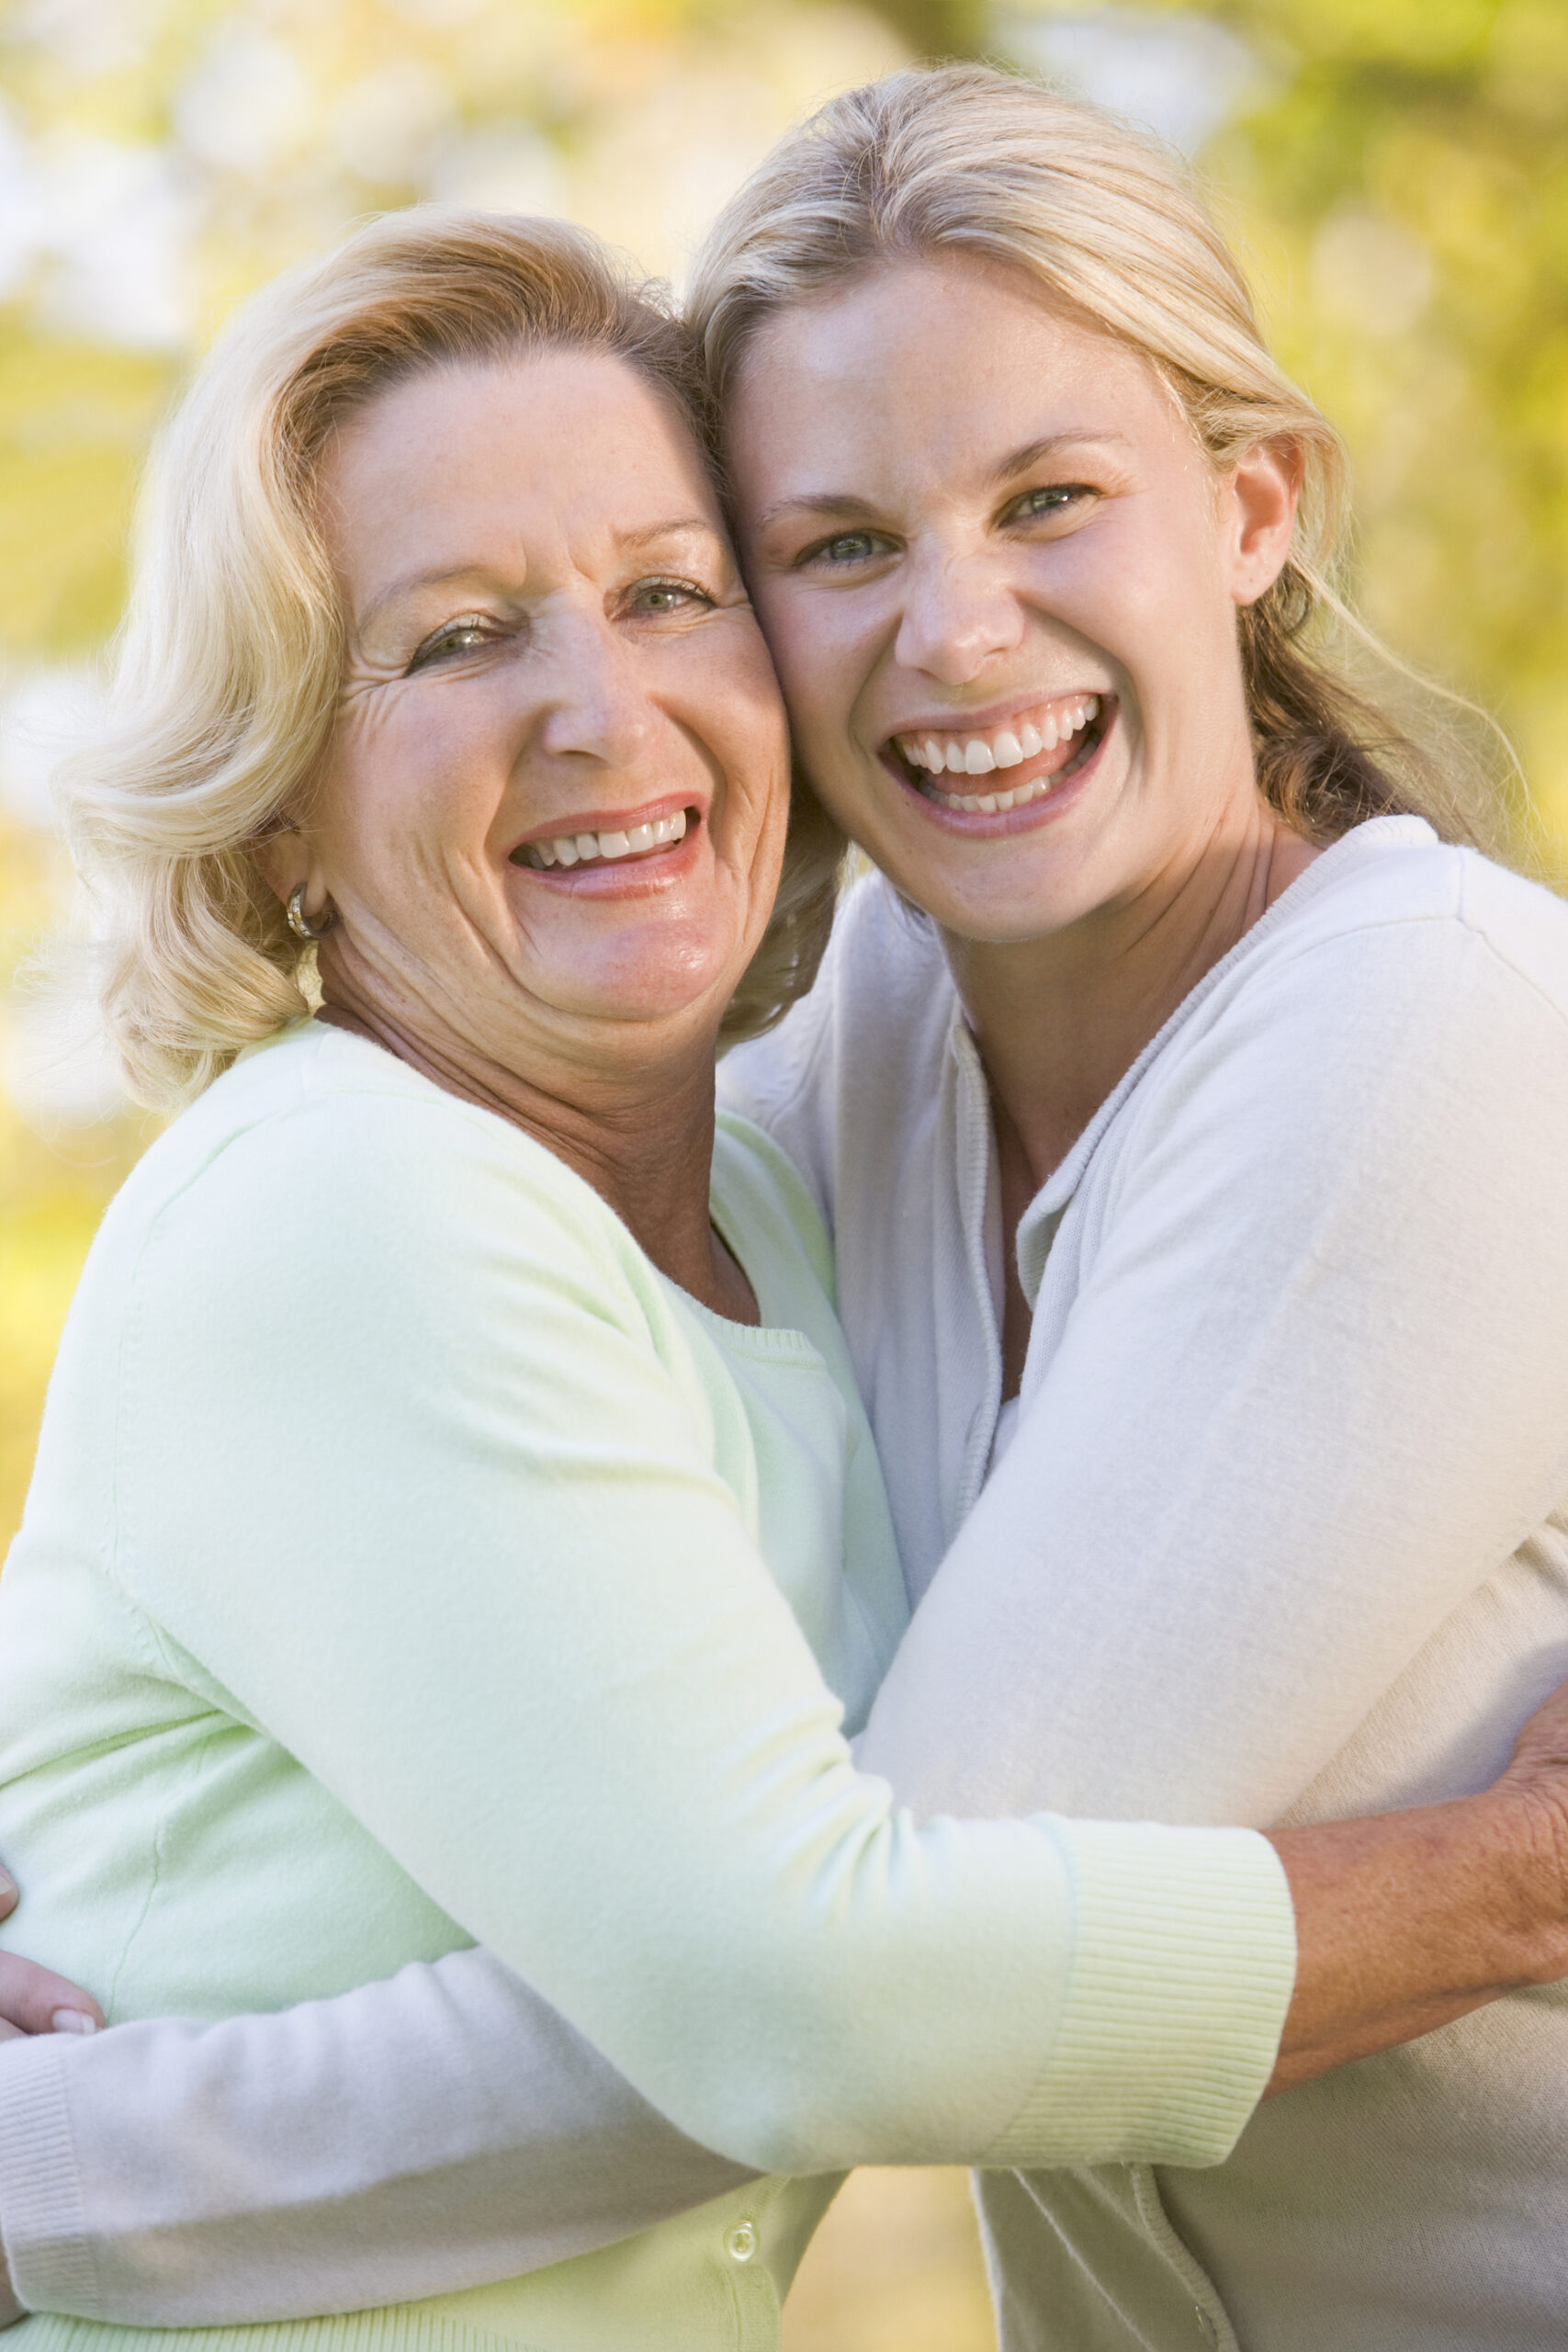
400, 1524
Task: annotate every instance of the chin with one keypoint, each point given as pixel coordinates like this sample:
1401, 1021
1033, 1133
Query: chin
672, 987
991, 903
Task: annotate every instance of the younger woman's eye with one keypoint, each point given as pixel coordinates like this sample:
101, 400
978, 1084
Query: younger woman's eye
1051, 499
465, 636
847, 548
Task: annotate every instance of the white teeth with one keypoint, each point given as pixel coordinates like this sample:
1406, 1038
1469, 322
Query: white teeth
1007, 748
993, 803
575, 849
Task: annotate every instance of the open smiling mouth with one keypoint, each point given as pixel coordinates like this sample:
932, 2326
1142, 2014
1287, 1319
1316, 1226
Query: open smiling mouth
1046, 746
605, 848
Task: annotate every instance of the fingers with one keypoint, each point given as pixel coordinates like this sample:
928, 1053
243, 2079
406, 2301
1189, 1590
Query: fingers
34, 2000
1541, 1750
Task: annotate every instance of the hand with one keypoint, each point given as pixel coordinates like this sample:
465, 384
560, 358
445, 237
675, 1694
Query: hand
34, 2000
1405, 1921
1535, 1785
1540, 1751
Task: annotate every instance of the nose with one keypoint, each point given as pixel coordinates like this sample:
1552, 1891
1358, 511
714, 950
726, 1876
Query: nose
958, 613
593, 701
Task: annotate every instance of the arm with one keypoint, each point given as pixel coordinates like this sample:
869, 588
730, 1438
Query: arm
446, 2128
427, 2133
503, 1608
34, 2001
1355, 1907
1310, 1393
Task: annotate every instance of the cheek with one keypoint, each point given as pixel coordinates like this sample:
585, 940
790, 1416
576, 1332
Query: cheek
813, 642
417, 764
390, 814
725, 696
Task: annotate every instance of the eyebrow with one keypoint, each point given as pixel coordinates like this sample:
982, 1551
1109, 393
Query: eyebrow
412, 581
846, 507
1048, 444
681, 528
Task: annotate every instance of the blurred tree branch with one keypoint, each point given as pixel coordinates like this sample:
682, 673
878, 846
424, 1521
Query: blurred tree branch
939, 28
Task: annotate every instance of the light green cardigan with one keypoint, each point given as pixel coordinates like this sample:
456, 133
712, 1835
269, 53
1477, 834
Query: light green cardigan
410, 1563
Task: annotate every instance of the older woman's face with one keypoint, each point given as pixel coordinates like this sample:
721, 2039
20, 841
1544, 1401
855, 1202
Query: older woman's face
999, 580
553, 804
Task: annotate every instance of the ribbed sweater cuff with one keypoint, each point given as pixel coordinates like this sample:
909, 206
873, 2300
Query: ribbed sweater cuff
43, 2222
1184, 1961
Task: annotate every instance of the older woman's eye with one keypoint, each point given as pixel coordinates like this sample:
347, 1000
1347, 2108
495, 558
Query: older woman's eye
465, 636
658, 597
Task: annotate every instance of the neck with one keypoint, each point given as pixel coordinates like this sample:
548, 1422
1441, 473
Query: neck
1059, 1020
642, 1136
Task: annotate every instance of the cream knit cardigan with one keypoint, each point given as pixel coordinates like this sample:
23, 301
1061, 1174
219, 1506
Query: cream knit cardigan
409, 1562
1279, 1534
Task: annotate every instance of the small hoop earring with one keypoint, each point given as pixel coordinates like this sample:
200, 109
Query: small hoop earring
306, 933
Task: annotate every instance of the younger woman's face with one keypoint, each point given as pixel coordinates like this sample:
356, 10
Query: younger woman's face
1000, 580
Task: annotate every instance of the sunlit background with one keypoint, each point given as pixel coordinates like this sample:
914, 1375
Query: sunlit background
1396, 171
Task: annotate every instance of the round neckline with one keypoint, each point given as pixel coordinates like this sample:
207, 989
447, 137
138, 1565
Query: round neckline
766, 1338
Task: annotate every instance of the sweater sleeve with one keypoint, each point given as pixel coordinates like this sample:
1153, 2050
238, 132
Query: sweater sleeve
430, 2132
1310, 1393
488, 1587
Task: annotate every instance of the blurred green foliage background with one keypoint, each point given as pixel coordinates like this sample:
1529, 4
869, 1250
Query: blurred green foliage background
1396, 172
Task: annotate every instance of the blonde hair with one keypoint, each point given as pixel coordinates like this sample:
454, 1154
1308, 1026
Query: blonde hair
966, 160
231, 654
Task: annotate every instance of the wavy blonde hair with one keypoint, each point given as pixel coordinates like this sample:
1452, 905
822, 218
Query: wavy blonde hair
1109, 226
232, 650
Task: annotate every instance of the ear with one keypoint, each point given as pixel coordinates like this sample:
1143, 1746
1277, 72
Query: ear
285, 861
1259, 502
